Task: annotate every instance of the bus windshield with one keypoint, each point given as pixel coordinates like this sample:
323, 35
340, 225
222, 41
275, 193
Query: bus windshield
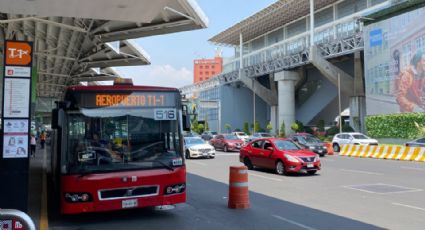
111, 139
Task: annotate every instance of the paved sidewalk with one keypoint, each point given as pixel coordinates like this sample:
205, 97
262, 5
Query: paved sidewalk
35, 185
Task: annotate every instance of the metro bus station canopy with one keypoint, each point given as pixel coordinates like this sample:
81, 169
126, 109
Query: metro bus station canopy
72, 37
270, 18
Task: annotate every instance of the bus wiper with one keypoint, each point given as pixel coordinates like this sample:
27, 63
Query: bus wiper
164, 164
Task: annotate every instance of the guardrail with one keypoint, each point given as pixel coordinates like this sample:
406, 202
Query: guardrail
11, 219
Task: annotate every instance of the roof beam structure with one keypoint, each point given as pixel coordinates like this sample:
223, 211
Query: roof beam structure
270, 18
70, 36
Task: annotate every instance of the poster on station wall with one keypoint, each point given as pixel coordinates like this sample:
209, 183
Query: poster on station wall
16, 97
394, 57
15, 138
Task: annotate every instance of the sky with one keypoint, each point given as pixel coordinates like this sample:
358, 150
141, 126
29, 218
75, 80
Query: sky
172, 55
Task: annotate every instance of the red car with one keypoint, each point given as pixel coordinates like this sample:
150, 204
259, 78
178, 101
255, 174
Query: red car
227, 142
280, 154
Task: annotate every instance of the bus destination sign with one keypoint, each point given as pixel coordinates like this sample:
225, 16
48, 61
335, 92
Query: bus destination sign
135, 99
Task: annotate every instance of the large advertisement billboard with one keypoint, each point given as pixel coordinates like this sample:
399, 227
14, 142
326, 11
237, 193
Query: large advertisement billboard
394, 53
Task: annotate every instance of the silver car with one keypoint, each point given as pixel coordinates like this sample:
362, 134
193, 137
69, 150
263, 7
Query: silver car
351, 138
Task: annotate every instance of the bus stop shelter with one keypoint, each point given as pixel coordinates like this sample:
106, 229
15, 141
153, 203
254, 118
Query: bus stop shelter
81, 41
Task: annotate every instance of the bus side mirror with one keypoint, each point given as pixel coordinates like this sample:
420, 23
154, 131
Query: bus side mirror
58, 116
186, 123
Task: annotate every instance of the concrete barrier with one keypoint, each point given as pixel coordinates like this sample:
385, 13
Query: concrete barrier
384, 152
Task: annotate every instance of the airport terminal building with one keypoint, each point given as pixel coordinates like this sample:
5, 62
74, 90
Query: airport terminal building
296, 76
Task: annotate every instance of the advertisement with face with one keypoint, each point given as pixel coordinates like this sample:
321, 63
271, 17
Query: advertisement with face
395, 64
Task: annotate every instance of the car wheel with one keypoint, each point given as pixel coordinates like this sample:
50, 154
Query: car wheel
335, 147
312, 172
280, 168
225, 149
247, 162
187, 154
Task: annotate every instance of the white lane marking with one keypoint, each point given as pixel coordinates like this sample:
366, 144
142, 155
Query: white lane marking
382, 193
269, 178
227, 154
197, 163
364, 172
294, 222
408, 206
413, 168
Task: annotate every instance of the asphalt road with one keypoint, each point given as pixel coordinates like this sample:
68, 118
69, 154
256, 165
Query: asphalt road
348, 193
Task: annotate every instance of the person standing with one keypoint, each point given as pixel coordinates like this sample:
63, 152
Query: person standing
33, 143
42, 139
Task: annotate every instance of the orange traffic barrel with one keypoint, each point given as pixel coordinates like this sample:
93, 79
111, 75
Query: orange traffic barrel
329, 148
238, 187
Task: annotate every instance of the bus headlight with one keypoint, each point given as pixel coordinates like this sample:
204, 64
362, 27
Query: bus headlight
174, 189
78, 197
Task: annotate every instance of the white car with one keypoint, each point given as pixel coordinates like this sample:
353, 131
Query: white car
195, 147
351, 138
241, 135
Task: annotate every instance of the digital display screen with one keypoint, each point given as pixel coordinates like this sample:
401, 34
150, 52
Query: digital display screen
121, 100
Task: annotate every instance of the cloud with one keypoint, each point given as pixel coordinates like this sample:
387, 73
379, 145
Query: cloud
158, 75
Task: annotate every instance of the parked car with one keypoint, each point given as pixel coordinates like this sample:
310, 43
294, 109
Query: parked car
351, 138
280, 154
241, 135
208, 135
227, 142
416, 143
311, 142
259, 135
195, 147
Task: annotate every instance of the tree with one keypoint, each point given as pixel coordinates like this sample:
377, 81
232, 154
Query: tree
194, 126
246, 128
206, 123
321, 125
282, 132
257, 126
294, 126
228, 127
297, 126
201, 128
207, 127
269, 126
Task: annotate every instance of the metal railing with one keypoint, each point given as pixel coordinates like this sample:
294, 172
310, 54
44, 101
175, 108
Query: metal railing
15, 219
337, 38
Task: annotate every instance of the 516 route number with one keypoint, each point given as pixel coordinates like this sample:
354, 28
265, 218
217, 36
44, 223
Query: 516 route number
165, 114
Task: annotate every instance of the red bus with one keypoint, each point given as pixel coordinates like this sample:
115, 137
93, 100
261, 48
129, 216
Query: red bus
118, 147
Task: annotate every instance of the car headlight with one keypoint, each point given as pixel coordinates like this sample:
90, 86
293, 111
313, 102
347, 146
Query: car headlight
193, 149
311, 147
316, 158
291, 158
231, 144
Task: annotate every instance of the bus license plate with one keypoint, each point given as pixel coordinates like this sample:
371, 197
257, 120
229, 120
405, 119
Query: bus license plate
310, 165
129, 203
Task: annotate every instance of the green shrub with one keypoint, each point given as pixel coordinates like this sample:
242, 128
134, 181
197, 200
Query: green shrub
395, 125
335, 129
282, 132
321, 125
308, 130
246, 128
257, 127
